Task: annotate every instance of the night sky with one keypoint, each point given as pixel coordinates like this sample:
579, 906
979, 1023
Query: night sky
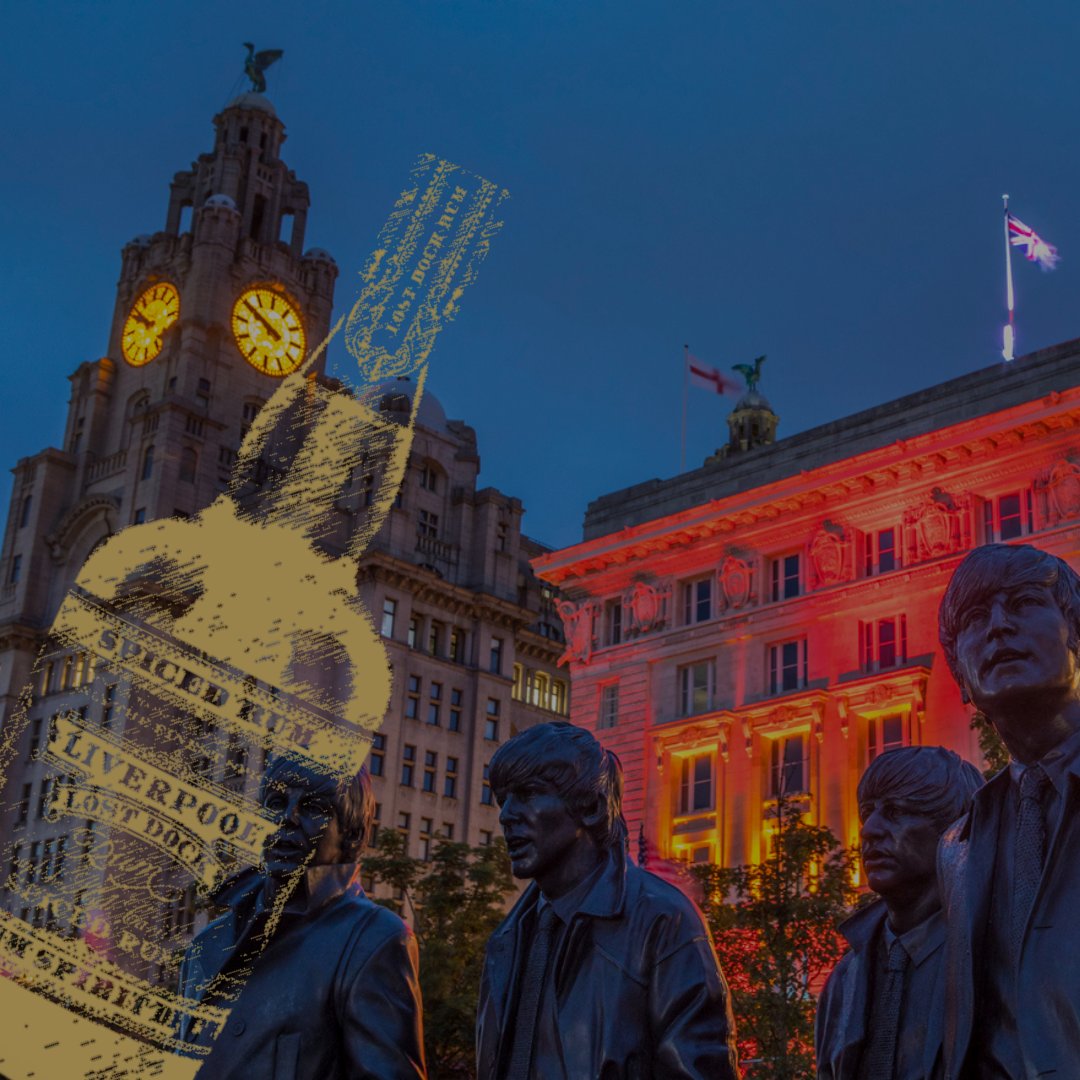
817, 181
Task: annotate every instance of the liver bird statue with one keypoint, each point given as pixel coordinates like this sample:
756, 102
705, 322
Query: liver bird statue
257, 62
750, 372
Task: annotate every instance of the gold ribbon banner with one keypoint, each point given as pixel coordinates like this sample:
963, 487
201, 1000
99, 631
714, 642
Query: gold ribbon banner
70, 973
214, 691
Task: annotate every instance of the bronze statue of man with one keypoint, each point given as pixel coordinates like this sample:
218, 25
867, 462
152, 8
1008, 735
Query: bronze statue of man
1010, 869
601, 969
880, 1014
332, 989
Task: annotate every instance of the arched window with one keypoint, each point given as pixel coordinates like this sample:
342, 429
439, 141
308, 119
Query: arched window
147, 463
189, 463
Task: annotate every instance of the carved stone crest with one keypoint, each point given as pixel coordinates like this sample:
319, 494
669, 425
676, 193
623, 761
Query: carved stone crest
939, 525
1063, 491
578, 624
645, 605
831, 558
736, 576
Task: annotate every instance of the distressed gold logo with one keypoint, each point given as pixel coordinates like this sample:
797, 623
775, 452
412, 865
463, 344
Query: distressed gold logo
200, 649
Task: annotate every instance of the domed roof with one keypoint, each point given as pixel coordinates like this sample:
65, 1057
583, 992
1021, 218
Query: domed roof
395, 396
251, 100
223, 201
753, 400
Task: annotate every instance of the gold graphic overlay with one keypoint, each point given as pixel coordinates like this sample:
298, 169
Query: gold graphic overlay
208, 646
156, 309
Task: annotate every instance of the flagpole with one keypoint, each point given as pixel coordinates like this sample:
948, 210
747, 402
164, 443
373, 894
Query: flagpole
1009, 333
685, 391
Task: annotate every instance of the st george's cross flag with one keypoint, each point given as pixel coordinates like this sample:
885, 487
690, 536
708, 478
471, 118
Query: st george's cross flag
709, 378
1038, 250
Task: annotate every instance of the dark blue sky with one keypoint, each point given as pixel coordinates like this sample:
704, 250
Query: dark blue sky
818, 181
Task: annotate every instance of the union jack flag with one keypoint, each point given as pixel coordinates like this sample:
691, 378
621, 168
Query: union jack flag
1038, 250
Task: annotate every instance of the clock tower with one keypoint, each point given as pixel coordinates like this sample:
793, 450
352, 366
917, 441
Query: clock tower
210, 313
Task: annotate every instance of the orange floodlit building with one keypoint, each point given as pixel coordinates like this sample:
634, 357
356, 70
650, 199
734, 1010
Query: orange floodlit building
768, 622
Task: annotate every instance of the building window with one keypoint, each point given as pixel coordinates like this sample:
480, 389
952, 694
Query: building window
24, 804
787, 666
457, 645
429, 478
558, 696
107, 704
450, 780
496, 655
1007, 516
881, 553
785, 577
140, 515
378, 754
428, 524
431, 762
202, 393
883, 643
501, 531
883, 733
412, 697
456, 698
787, 765
426, 826
389, 610
414, 630
487, 797
404, 820
24, 515
517, 692
447, 830
189, 465
696, 601
147, 463
16, 570
434, 639
408, 765
696, 783
491, 721
613, 622
609, 705
435, 693
695, 688
486, 837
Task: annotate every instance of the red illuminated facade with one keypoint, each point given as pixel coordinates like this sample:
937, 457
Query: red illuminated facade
768, 622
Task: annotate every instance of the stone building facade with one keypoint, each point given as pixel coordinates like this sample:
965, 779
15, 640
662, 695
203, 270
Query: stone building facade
153, 431
768, 623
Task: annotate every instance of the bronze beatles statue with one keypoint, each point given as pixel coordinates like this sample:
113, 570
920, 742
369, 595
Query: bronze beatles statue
880, 1014
1010, 869
601, 969
335, 990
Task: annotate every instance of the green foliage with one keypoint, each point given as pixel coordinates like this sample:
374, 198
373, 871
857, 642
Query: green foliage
995, 753
453, 902
775, 931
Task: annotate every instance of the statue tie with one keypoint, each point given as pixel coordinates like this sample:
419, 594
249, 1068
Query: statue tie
880, 1059
532, 990
1030, 850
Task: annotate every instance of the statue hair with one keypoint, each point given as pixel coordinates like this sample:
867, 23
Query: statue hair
993, 567
939, 782
586, 776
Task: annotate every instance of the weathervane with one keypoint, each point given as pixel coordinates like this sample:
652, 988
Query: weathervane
257, 62
750, 373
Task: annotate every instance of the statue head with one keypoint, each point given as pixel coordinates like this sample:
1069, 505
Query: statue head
320, 817
1009, 623
561, 797
907, 798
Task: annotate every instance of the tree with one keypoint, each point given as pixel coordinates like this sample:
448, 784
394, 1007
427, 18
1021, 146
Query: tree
454, 902
994, 751
774, 924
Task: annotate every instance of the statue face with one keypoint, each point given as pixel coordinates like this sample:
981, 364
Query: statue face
303, 803
899, 848
544, 838
1014, 643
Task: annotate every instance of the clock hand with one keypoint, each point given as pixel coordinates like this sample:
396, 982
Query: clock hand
262, 318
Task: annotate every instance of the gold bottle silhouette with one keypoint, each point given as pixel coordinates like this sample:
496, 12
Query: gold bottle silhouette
208, 644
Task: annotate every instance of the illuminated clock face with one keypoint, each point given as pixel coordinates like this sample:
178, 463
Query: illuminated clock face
156, 309
269, 331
